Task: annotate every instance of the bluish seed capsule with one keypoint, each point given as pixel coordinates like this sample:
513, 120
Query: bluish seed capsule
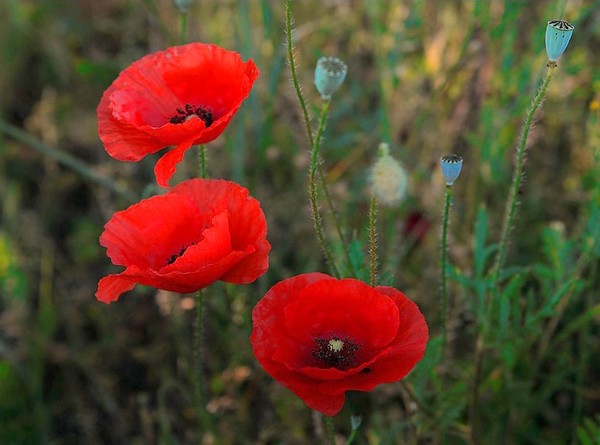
329, 75
451, 167
183, 5
558, 35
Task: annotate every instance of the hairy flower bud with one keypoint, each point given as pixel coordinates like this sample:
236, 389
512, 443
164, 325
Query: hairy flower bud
389, 181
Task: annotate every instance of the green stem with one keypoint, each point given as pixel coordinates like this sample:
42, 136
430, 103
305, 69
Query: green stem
183, 19
336, 221
202, 155
309, 133
444, 269
65, 159
373, 240
512, 201
292, 62
198, 360
312, 192
329, 428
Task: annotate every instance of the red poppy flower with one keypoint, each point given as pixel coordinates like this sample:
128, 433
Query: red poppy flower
203, 230
179, 97
320, 337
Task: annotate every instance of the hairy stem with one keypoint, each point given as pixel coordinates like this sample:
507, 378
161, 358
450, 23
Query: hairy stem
336, 221
373, 240
512, 201
202, 156
198, 334
199, 358
292, 63
312, 193
311, 139
183, 20
444, 269
329, 428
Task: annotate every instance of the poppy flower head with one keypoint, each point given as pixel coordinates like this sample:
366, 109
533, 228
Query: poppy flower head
320, 337
200, 232
178, 97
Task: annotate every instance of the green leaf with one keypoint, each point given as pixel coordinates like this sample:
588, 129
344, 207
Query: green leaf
481, 251
357, 258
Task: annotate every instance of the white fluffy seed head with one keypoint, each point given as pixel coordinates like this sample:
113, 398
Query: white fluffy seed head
389, 181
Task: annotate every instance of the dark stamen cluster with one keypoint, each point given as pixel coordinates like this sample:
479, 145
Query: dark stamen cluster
184, 113
341, 359
174, 257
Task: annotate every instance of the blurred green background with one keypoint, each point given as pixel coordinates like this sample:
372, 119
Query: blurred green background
428, 77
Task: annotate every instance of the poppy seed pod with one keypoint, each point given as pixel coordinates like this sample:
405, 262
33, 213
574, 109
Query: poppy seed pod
329, 75
451, 167
558, 35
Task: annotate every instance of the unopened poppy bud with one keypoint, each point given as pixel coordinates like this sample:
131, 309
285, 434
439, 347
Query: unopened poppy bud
329, 75
183, 5
389, 181
451, 166
558, 35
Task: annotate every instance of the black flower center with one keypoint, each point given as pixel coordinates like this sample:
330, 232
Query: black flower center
336, 352
183, 114
174, 257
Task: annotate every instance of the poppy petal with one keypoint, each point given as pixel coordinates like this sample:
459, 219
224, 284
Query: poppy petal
166, 166
111, 287
343, 313
122, 141
251, 267
145, 236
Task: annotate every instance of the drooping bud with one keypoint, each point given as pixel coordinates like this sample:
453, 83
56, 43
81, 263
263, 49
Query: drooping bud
389, 181
329, 75
558, 35
451, 167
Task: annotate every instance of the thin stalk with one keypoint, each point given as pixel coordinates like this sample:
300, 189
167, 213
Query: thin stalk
512, 201
352, 436
292, 62
199, 379
198, 334
500, 259
312, 193
336, 221
202, 157
373, 240
65, 159
309, 133
444, 269
183, 20
329, 428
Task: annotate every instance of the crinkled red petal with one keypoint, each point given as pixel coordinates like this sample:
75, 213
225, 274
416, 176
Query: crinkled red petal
148, 233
